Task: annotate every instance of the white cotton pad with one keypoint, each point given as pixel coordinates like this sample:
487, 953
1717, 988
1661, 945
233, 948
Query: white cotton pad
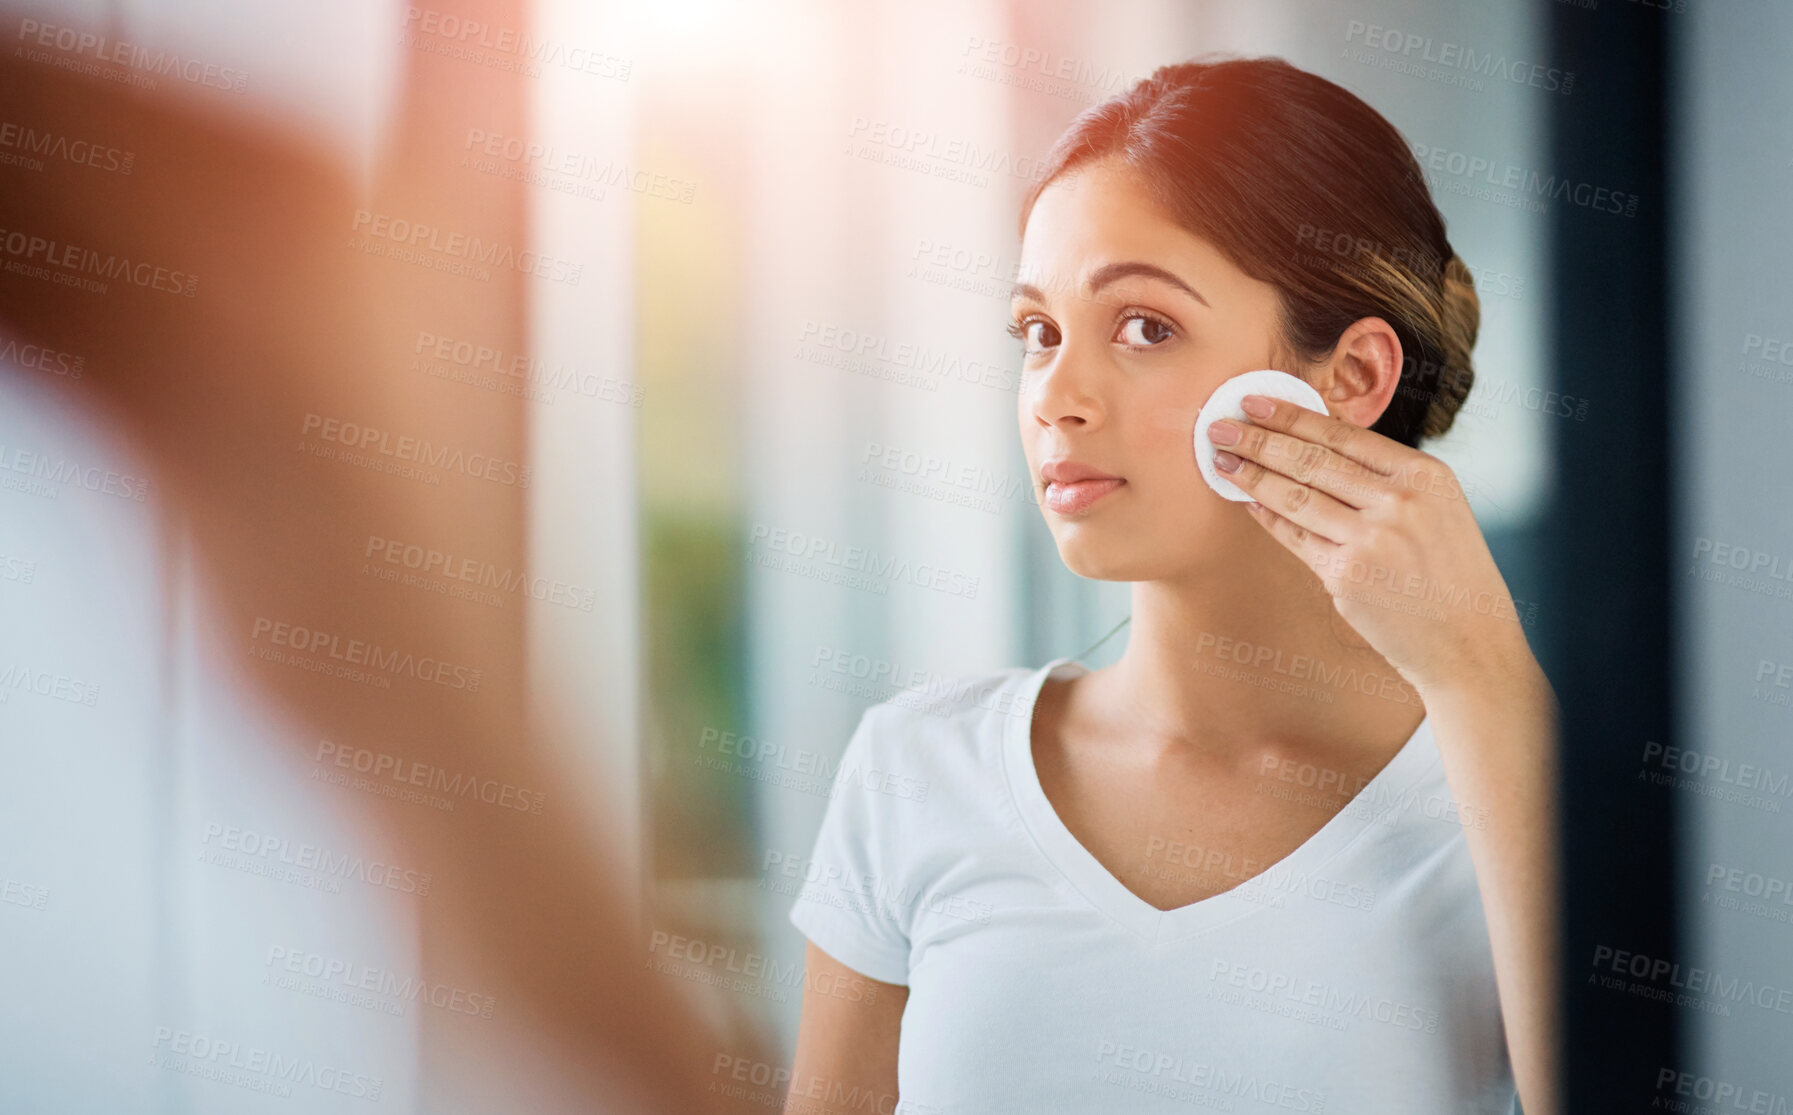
1224, 403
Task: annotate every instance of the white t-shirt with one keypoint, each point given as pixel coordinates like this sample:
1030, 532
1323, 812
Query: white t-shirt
1353, 976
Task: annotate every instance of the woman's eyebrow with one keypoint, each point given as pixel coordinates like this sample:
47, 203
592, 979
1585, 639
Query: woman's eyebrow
1114, 272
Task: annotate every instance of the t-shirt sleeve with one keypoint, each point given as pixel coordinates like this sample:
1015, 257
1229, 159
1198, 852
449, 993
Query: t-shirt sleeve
842, 902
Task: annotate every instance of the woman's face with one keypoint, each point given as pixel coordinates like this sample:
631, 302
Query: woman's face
1128, 323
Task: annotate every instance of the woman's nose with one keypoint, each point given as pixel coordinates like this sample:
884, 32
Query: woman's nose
1064, 394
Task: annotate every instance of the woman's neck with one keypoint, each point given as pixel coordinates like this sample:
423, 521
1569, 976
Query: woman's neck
1238, 657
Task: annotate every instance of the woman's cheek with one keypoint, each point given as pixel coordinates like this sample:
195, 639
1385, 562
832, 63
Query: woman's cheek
1171, 433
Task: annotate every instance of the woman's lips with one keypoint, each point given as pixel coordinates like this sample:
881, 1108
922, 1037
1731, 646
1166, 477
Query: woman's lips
1074, 497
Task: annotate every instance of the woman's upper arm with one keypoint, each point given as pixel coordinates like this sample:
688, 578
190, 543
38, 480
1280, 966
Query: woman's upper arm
846, 1042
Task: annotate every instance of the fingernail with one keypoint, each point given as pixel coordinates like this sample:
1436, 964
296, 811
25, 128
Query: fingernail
1223, 432
1226, 462
1257, 406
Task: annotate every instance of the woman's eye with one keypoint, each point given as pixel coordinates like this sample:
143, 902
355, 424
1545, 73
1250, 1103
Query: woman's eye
1035, 334
1144, 331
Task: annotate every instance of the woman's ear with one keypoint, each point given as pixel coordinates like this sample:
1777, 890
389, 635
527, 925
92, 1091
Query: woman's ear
1359, 378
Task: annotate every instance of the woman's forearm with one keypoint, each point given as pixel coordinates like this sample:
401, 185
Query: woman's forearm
1497, 737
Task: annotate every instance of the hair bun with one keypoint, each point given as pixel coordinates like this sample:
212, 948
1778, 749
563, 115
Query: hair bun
1460, 319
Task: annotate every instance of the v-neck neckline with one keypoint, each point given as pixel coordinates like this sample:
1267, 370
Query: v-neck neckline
1387, 790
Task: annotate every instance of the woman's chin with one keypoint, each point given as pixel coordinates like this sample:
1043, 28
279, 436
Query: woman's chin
1102, 560
1116, 555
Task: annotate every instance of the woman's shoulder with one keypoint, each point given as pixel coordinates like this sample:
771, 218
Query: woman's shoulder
949, 703
944, 720
938, 746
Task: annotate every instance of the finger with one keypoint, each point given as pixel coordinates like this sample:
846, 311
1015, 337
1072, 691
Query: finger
1366, 447
1304, 506
1305, 462
1317, 552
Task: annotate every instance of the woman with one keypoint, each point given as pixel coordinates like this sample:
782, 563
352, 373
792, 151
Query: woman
1294, 849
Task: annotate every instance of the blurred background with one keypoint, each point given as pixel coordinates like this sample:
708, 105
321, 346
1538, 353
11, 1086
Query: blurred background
733, 311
